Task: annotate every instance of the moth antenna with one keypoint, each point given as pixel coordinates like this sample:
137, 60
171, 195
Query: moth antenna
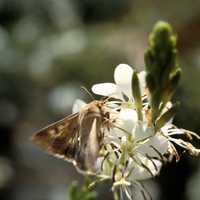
106, 99
88, 92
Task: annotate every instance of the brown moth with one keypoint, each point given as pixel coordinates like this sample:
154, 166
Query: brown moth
77, 138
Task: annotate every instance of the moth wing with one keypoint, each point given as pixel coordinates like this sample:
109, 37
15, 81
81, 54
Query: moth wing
89, 147
60, 138
92, 148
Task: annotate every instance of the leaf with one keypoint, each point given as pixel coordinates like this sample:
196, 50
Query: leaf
137, 94
76, 192
165, 117
163, 71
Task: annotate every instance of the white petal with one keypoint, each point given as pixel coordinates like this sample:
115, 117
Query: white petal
156, 145
142, 173
78, 104
125, 123
127, 119
106, 89
142, 131
123, 78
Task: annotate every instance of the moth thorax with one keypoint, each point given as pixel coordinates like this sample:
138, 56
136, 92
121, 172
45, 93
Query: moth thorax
86, 120
91, 110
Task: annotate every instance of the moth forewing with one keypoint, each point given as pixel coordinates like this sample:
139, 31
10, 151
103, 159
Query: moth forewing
75, 138
59, 138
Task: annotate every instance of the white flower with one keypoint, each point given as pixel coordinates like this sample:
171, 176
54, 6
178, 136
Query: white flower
122, 86
133, 149
132, 139
139, 144
139, 139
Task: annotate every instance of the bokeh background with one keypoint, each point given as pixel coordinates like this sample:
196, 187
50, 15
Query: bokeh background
49, 48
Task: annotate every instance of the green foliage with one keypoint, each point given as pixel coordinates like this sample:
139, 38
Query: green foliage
137, 94
163, 71
168, 115
81, 193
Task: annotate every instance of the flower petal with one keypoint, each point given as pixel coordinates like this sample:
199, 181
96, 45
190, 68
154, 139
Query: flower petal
127, 119
123, 78
78, 104
106, 89
156, 145
151, 169
142, 131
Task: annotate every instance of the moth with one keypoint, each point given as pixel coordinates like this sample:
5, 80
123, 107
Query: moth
78, 137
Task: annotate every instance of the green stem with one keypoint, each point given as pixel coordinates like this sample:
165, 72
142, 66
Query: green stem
116, 194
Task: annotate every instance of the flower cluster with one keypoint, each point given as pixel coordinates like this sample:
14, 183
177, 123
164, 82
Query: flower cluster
135, 147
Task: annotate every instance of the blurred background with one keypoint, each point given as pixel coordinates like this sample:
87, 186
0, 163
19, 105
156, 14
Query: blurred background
49, 49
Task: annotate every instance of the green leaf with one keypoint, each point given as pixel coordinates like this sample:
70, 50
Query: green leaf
172, 85
137, 94
77, 192
163, 71
165, 117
